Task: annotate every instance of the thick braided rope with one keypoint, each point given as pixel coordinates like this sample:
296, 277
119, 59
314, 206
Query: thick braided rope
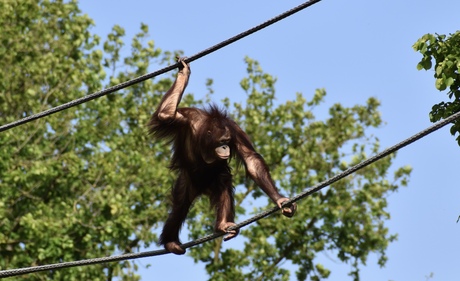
318, 187
158, 72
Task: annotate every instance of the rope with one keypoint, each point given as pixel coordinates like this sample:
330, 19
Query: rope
318, 187
158, 72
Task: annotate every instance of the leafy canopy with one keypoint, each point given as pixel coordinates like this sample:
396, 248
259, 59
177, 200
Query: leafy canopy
88, 182
445, 51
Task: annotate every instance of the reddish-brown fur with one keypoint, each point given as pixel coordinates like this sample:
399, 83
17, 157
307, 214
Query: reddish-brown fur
195, 134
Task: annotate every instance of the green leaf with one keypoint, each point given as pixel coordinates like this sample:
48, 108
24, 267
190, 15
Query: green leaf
449, 81
440, 84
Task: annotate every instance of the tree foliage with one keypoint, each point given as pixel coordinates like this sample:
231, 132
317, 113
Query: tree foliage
445, 51
83, 183
88, 182
346, 219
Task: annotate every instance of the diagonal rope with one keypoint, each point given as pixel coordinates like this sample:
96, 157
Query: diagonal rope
318, 187
158, 72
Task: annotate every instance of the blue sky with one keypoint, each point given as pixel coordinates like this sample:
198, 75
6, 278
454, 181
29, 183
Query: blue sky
353, 49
